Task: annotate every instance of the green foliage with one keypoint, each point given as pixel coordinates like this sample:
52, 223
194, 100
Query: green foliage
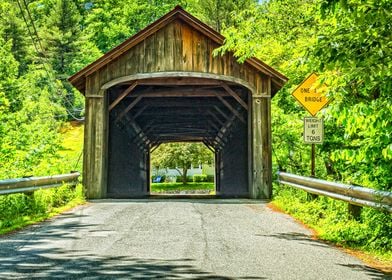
372, 232
112, 22
180, 156
203, 178
353, 51
210, 178
66, 47
18, 210
11, 28
188, 179
219, 14
199, 178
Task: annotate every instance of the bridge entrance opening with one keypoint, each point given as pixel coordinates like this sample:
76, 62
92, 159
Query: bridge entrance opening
182, 168
158, 114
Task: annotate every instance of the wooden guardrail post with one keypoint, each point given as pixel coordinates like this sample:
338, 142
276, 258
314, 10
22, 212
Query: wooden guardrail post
354, 211
312, 196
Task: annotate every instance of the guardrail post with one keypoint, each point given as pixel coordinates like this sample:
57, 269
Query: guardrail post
354, 211
311, 196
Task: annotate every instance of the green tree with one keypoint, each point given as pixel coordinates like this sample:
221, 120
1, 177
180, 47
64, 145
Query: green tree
66, 48
181, 156
111, 22
14, 31
353, 50
219, 13
28, 128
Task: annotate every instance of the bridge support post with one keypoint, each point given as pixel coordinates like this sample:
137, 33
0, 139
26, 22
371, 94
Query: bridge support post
260, 152
95, 141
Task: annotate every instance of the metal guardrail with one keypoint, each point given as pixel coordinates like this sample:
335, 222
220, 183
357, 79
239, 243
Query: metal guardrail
31, 184
354, 195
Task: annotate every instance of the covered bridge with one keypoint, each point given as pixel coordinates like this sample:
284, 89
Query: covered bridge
165, 85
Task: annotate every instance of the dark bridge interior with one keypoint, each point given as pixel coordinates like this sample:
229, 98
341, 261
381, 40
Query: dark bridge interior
146, 113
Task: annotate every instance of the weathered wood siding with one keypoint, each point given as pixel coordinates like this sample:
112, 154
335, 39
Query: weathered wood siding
178, 47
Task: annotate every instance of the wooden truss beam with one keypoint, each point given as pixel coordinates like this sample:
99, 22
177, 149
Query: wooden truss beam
208, 146
221, 112
235, 96
122, 96
215, 117
128, 108
234, 111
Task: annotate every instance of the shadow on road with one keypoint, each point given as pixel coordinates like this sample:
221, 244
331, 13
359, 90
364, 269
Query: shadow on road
307, 240
373, 273
296, 236
27, 255
38, 266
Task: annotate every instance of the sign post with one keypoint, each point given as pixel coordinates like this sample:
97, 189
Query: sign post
310, 94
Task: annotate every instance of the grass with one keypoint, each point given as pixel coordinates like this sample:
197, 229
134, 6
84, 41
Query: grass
20, 210
164, 187
72, 144
68, 157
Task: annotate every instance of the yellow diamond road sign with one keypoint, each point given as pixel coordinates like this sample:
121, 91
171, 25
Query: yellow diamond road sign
311, 94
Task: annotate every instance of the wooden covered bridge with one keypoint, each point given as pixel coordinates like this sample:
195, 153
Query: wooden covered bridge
165, 85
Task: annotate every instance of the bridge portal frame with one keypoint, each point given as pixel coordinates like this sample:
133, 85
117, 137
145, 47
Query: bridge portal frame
177, 47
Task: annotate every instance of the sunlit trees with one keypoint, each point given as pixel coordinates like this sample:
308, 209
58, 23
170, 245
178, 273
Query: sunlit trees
181, 156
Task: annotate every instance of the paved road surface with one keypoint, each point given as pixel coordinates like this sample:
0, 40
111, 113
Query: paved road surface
174, 239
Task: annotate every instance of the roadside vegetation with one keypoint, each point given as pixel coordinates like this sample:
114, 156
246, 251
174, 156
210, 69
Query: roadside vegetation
20, 210
371, 233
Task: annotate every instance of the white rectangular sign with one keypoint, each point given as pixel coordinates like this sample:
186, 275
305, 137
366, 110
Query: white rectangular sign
313, 130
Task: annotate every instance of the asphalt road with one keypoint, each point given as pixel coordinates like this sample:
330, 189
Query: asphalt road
174, 239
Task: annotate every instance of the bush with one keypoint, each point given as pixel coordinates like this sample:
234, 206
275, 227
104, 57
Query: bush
199, 178
18, 210
210, 178
188, 178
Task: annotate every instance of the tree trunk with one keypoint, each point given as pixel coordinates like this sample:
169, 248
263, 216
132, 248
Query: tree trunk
184, 174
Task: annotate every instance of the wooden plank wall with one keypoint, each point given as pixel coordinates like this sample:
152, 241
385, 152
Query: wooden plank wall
177, 47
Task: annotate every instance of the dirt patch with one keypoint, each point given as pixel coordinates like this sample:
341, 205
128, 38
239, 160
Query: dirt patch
255, 207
